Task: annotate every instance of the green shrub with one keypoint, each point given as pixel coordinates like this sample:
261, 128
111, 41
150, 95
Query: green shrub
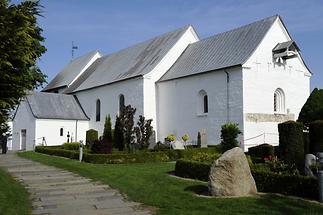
71, 146
316, 136
91, 136
119, 141
291, 143
192, 169
261, 151
185, 137
107, 131
102, 147
205, 157
229, 134
58, 152
266, 181
296, 185
170, 138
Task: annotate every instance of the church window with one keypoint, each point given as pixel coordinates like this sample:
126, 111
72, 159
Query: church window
98, 110
61, 132
121, 103
203, 104
279, 101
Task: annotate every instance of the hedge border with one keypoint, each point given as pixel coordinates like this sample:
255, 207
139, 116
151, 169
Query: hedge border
296, 185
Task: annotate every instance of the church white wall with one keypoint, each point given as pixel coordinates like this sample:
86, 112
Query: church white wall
164, 65
132, 89
178, 104
50, 129
261, 77
23, 120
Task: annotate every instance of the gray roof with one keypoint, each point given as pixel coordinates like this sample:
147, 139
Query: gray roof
132, 62
224, 50
84, 75
55, 106
69, 72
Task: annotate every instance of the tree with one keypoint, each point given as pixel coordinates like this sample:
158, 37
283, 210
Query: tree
229, 134
107, 132
20, 47
313, 108
143, 131
127, 116
118, 134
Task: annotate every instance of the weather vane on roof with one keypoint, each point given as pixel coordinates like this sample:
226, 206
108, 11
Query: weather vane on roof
73, 49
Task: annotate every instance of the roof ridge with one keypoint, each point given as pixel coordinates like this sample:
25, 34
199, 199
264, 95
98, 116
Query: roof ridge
237, 28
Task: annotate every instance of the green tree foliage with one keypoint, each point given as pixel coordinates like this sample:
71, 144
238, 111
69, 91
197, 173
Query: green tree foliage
127, 116
118, 135
313, 108
291, 143
316, 136
107, 132
229, 134
143, 132
20, 47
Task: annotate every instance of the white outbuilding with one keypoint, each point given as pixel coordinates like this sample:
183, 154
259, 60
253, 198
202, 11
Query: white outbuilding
253, 75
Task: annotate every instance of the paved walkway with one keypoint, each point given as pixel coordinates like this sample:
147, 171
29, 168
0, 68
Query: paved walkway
60, 192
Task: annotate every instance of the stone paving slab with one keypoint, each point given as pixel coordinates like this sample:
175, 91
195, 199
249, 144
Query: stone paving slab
60, 192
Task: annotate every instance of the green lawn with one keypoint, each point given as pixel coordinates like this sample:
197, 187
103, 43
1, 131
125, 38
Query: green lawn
151, 185
13, 196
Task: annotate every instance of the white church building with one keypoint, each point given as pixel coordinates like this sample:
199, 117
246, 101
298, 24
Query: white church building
253, 75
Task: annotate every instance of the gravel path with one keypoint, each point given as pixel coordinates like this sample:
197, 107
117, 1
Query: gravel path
60, 192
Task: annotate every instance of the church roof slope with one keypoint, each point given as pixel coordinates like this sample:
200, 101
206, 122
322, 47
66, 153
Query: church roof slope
55, 106
223, 50
132, 62
70, 72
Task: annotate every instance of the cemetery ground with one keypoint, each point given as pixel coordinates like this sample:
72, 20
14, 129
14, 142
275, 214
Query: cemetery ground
151, 184
14, 199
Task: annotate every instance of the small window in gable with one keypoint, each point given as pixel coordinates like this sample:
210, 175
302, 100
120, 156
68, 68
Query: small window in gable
203, 103
98, 110
279, 101
61, 132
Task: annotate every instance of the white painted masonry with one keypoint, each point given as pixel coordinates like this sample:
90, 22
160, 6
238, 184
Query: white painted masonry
240, 87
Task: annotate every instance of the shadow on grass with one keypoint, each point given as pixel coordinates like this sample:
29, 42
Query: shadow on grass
198, 189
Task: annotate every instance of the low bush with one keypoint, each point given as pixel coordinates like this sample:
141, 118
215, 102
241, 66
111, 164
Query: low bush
58, 152
266, 181
91, 136
296, 185
103, 146
71, 146
229, 134
192, 169
262, 151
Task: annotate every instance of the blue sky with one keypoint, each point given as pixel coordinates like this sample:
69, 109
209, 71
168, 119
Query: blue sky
110, 25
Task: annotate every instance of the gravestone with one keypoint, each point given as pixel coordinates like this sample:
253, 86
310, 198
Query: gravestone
203, 138
152, 140
310, 159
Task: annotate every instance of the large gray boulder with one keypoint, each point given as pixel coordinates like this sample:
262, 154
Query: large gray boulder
230, 175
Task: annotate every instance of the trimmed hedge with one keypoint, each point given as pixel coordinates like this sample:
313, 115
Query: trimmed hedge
138, 157
71, 146
291, 143
296, 185
316, 136
262, 151
192, 169
91, 136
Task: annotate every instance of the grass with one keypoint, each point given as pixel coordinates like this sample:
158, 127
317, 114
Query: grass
151, 184
13, 196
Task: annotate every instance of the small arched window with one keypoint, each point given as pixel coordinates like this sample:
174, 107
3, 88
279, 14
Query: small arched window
121, 103
203, 106
279, 101
61, 132
98, 110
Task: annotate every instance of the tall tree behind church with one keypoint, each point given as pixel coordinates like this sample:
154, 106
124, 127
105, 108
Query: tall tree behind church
20, 47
